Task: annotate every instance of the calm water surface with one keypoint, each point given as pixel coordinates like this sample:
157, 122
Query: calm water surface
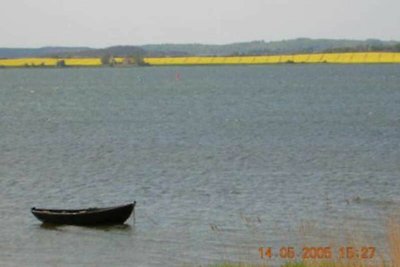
222, 161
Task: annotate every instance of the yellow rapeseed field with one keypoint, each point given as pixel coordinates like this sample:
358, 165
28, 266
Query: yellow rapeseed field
21, 62
49, 62
84, 62
336, 58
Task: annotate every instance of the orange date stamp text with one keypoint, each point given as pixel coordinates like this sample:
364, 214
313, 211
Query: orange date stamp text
318, 252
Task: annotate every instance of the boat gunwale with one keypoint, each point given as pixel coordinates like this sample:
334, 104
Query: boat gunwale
63, 212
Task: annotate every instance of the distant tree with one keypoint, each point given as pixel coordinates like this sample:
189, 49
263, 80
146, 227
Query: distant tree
61, 63
138, 60
127, 61
108, 60
113, 62
105, 60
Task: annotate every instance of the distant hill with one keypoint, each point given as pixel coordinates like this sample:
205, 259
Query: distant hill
116, 51
37, 52
122, 51
300, 45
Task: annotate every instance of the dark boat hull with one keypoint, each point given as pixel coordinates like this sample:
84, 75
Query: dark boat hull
86, 217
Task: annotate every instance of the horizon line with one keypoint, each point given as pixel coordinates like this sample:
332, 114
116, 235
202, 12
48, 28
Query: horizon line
195, 43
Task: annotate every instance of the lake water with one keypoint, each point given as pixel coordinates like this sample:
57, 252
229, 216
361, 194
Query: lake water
221, 160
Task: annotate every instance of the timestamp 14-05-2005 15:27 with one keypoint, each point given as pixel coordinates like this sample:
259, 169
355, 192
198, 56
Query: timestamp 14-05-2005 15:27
318, 252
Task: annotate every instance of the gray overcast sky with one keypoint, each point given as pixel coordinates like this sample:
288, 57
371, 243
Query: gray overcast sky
98, 23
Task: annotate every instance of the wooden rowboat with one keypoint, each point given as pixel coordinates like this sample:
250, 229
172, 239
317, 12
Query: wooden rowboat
87, 217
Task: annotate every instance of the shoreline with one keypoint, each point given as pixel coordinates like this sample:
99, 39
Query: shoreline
320, 58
